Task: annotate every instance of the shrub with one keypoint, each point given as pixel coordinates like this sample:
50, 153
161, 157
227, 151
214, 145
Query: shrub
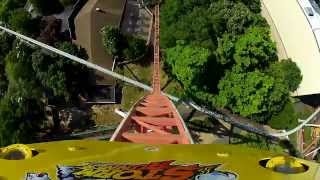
136, 48
47, 7
20, 20
286, 119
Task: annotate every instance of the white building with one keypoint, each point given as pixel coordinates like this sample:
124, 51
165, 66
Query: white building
296, 27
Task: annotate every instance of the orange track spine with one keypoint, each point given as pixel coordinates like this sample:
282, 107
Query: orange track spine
156, 65
154, 119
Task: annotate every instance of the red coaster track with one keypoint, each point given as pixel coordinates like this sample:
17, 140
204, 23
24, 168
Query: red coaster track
154, 119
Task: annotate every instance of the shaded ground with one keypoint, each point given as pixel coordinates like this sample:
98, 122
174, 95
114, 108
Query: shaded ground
64, 15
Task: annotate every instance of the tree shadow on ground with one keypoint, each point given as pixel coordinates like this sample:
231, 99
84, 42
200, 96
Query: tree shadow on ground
132, 73
290, 147
166, 84
212, 126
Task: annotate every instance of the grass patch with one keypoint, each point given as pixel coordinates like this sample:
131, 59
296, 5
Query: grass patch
143, 73
105, 115
130, 96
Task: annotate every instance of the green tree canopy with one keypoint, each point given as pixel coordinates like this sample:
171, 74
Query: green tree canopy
253, 5
113, 40
19, 71
47, 7
287, 71
77, 75
8, 6
20, 20
49, 71
19, 120
255, 50
252, 94
5, 47
194, 28
226, 49
241, 18
136, 48
286, 119
188, 63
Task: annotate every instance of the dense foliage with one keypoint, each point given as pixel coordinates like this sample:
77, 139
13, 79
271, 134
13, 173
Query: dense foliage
29, 77
286, 119
21, 21
5, 47
112, 40
122, 46
49, 30
188, 63
227, 58
252, 93
47, 7
288, 72
8, 6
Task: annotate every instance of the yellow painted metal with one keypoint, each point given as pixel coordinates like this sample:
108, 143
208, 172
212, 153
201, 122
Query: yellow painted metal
285, 164
15, 150
244, 162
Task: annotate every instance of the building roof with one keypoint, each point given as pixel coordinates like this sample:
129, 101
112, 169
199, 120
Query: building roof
88, 24
298, 40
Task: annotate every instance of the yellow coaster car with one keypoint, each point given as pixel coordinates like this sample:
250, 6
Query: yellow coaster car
84, 159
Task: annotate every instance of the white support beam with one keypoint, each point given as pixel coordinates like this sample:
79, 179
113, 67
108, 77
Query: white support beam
313, 125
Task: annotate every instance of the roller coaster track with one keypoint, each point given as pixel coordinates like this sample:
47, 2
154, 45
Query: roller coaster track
219, 114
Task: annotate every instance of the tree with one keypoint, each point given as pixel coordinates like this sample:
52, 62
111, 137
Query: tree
226, 49
185, 20
20, 73
187, 63
49, 71
8, 6
20, 20
49, 30
252, 94
19, 120
288, 72
253, 5
136, 48
286, 119
77, 75
113, 40
5, 47
255, 50
240, 19
47, 7
219, 13
196, 29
